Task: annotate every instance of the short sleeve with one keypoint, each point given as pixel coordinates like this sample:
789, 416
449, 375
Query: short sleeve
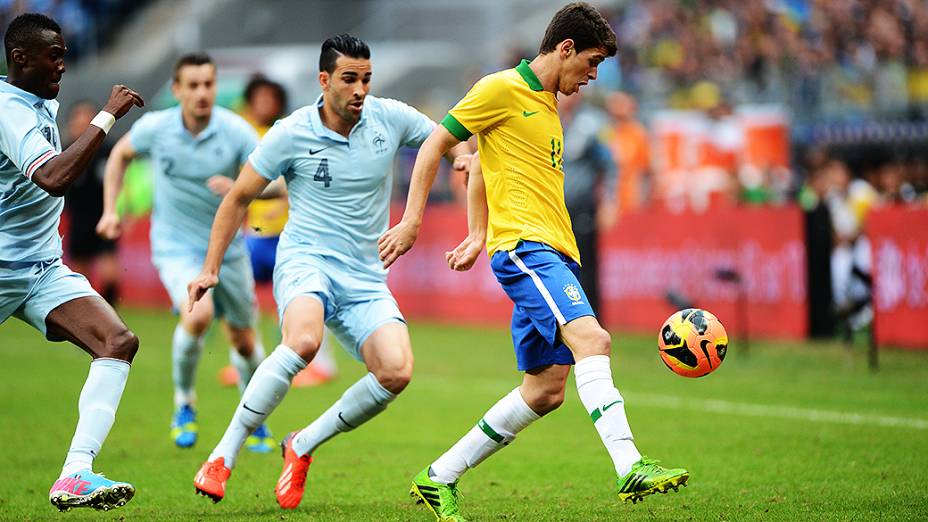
412, 126
248, 140
483, 107
143, 132
21, 137
274, 155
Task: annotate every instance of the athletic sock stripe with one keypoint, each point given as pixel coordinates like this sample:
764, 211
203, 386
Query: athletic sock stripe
540, 286
596, 414
490, 432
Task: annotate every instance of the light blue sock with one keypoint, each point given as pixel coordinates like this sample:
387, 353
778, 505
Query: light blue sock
359, 404
97, 411
185, 354
267, 388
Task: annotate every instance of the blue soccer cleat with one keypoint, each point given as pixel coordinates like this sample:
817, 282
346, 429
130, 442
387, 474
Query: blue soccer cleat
88, 489
260, 441
184, 427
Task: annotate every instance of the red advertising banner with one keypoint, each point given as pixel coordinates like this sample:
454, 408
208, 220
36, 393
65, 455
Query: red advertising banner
899, 241
655, 257
647, 256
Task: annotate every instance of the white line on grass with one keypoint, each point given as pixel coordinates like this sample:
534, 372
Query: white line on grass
785, 412
674, 402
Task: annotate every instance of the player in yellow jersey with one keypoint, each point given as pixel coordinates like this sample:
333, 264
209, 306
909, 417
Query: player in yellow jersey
517, 207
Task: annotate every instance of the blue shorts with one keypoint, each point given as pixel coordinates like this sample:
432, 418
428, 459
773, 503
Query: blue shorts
263, 252
29, 291
234, 296
543, 285
355, 304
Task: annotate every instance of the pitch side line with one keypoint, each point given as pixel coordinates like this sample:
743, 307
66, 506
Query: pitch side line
673, 402
783, 412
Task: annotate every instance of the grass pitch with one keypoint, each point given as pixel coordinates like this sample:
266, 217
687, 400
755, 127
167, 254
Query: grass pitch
788, 432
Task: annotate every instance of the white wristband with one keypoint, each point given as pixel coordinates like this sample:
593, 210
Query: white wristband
104, 120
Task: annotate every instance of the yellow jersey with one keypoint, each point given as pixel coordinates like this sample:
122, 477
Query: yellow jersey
266, 217
520, 140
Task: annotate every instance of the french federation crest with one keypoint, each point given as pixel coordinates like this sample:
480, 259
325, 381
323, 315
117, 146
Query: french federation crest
573, 293
379, 143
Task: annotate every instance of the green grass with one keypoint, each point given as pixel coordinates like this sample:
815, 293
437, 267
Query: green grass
760, 454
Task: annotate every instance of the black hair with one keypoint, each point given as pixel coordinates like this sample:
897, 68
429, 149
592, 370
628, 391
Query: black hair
258, 81
191, 59
583, 24
341, 45
24, 32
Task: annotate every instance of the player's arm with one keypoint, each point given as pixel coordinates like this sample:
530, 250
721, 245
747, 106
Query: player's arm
399, 239
226, 224
221, 185
57, 174
465, 255
109, 226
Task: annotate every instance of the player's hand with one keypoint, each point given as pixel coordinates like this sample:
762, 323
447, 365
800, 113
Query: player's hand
121, 100
197, 288
220, 185
397, 241
464, 256
109, 226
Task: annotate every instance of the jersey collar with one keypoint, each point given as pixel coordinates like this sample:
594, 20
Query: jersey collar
35, 101
211, 127
529, 76
321, 130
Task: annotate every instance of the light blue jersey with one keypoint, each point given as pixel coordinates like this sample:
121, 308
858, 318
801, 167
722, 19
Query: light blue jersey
28, 139
339, 188
184, 206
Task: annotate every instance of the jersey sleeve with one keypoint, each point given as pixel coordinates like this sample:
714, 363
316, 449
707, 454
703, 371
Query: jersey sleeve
483, 107
143, 132
248, 138
21, 138
412, 126
274, 155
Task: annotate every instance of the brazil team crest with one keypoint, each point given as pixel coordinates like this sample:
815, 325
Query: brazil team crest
573, 293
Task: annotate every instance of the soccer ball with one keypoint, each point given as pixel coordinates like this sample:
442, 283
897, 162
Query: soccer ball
692, 342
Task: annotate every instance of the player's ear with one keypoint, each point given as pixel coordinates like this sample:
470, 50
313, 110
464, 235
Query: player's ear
19, 56
566, 47
324, 79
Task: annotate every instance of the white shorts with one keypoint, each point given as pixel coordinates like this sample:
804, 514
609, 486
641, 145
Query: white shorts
355, 305
234, 296
30, 291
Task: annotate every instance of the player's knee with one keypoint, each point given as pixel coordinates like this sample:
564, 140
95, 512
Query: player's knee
546, 401
198, 322
395, 378
305, 345
598, 342
121, 345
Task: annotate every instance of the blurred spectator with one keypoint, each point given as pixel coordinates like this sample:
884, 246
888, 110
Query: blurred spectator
628, 141
589, 185
90, 254
819, 244
842, 59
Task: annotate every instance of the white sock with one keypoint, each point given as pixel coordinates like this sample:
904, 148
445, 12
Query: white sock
266, 389
97, 410
185, 354
246, 366
359, 404
495, 430
606, 407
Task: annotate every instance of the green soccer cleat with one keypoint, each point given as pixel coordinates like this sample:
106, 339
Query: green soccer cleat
647, 477
441, 499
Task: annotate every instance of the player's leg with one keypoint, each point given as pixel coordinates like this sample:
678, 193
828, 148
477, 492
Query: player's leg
302, 334
64, 307
375, 332
235, 300
542, 391
638, 476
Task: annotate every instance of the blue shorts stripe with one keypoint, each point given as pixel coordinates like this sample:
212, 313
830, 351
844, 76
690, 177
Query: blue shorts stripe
545, 294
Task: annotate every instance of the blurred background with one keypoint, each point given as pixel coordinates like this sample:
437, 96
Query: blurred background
767, 160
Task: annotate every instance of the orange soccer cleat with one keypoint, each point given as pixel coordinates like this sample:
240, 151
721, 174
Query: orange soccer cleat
292, 481
210, 481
